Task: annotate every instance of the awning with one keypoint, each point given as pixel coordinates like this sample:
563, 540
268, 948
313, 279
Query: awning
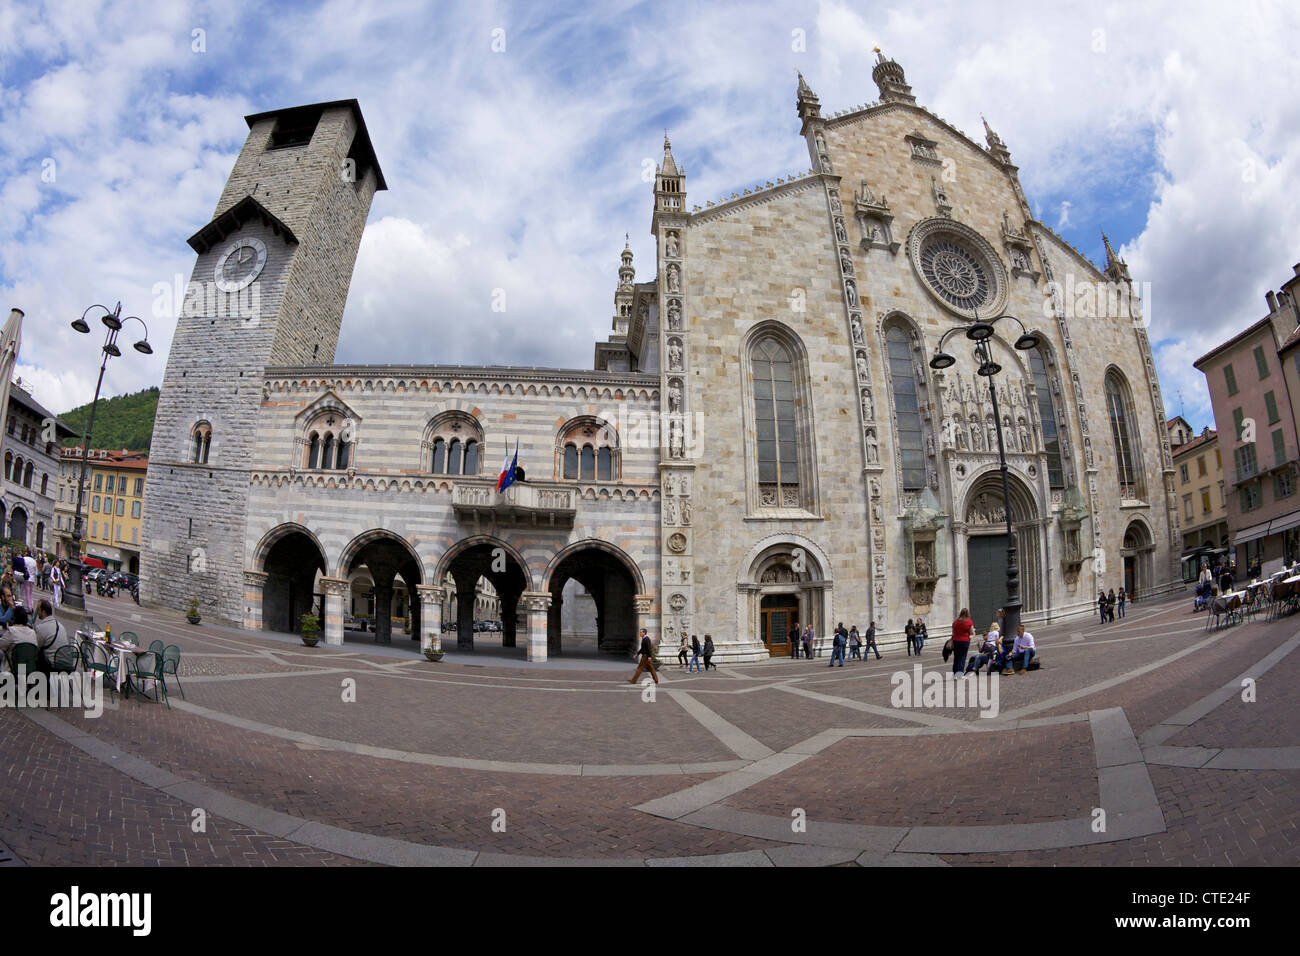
1250, 534
1285, 523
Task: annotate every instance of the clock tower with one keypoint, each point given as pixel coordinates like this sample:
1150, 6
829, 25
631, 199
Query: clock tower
268, 289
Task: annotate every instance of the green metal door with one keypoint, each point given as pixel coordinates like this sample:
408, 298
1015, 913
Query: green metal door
987, 562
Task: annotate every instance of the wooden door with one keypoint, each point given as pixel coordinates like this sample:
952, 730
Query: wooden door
778, 612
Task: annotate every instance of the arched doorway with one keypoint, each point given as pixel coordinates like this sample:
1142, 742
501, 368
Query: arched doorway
504, 570
987, 542
386, 556
40, 534
786, 587
293, 559
18, 525
593, 589
1138, 553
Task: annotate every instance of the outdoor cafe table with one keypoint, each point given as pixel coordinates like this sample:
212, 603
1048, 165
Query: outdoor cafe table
121, 650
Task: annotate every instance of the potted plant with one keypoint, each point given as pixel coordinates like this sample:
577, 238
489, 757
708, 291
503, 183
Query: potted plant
310, 629
193, 614
433, 648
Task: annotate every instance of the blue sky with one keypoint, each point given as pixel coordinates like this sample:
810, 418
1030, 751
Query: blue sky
521, 168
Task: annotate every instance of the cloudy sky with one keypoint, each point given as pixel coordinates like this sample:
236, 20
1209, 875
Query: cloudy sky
514, 139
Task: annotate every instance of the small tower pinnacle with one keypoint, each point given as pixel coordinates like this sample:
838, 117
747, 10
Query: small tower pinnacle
997, 149
1116, 268
891, 81
806, 102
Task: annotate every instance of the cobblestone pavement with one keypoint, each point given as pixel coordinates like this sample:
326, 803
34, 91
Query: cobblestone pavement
364, 754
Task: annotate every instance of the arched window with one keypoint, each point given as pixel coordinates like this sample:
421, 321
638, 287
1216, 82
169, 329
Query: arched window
1124, 433
45, 484
344, 454
9, 464
777, 442
453, 444
587, 450
322, 443
313, 451
907, 407
27, 475
18, 470
201, 439
1047, 417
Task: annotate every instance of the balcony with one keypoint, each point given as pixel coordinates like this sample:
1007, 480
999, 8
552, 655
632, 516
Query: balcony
535, 504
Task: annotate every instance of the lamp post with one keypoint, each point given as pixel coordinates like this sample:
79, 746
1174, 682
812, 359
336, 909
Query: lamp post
981, 333
75, 597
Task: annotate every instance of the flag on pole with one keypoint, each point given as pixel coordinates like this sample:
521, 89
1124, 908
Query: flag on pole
507, 477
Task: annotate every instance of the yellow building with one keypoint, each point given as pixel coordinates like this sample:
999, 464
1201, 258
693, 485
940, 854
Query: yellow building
112, 508
1198, 467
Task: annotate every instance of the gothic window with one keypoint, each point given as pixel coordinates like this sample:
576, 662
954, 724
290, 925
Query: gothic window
200, 443
453, 444
9, 463
777, 443
45, 482
587, 450
778, 409
1124, 433
1047, 417
907, 407
313, 452
324, 446
27, 475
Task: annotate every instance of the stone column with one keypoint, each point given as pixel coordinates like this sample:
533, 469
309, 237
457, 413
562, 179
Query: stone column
465, 617
335, 589
959, 569
254, 581
384, 613
430, 631
535, 605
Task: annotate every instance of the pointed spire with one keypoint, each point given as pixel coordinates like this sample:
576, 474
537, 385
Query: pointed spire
669, 165
891, 81
997, 149
1116, 268
807, 104
804, 88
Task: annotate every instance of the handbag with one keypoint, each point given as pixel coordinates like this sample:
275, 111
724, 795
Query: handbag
947, 650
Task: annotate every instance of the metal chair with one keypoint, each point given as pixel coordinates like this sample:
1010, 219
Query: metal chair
128, 637
64, 660
26, 656
147, 667
170, 664
156, 647
90, 654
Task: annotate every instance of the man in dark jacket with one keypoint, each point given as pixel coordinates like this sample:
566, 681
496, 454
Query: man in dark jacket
869, 642
708, 653
794, 639
647, 654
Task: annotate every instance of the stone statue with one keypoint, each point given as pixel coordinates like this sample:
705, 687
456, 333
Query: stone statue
1008, 435
670, 484
857, 330
875, 489
992, 429
863, 372
840, 234
846, 264
674, 396
676, 448
852, 293
675, 317
674, 279
670, 511
686, 511
670, 247
976, 435
873, 449
880, 565
961, 438
675, 355
924, 566
868, 407
1025, 444
836, 208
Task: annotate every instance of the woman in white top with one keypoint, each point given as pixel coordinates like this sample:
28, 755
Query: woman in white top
56, 584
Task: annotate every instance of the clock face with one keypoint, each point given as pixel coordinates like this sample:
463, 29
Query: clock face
240, 264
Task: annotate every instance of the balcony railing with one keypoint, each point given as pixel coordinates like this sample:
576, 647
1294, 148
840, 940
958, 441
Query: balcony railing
524, 503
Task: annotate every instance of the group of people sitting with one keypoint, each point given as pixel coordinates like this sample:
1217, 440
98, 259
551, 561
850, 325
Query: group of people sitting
1002, 654
1222, 576
45, 633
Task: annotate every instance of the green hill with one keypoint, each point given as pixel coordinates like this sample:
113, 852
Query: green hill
123, 421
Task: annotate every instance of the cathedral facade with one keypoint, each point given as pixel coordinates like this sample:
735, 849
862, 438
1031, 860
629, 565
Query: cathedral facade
762, 439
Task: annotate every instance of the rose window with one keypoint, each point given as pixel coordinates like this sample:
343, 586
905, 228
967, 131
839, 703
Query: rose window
955, 274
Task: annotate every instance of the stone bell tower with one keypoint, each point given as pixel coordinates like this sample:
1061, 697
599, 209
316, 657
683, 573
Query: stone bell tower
268, 289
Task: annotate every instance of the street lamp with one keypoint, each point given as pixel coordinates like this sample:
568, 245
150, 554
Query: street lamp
74, 597
982, 333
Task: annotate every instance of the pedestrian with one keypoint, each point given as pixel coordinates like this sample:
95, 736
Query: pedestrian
808, 642
962, 628
683, 651
909, 634
871, 642
647, 654
708, 652
695, 657
56, 584
921, 634
29, 582
855, 644
1101, 605
794, 639
1110, 605
838, 643
1123, 596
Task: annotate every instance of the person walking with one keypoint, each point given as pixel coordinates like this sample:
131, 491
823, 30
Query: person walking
647, 654
962, 628
683, 650
871, 642
838, 643
808, 642
56, 584
1110, 605
855, 644
708, 652
922, 635
1101, 605
909, 634
695, 656
29, 581
794, 639
1123, 596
